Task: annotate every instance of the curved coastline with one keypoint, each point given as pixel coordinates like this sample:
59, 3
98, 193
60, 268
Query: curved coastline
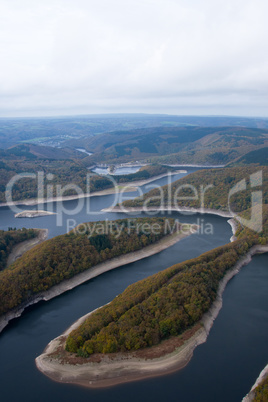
128, 210
98, 269
232, 222
122, 368
263, 375
26, 245
234, 225
129, 187
200, 166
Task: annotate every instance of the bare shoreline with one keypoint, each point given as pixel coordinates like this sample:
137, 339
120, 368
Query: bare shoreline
124, 210
26, 245
126, 187
99, 269
199, 166
232, 222
250, 396
125, 367
33, 214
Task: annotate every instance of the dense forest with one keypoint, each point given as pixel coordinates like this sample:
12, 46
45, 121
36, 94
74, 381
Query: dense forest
62, 131
160, 306
173, 300
261, 391
8, 239
258, 157
72, 129
220, 182
64, 256
71, 171
176, 145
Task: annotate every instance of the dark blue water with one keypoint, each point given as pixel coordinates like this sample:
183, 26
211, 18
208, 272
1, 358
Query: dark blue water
71, 213
221, 370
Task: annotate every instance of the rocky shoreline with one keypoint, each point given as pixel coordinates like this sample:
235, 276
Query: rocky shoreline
99, 269
126, 367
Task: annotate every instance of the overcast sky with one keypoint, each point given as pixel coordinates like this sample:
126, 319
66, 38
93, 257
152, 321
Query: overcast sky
151, 56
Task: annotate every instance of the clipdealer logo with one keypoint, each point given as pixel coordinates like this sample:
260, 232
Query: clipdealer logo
255, 222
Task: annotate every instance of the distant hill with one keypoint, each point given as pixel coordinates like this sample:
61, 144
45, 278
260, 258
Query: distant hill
31, 151
176, 145
63, 131
260, 157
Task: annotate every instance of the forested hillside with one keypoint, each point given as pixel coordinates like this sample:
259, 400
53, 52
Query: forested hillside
258, 157
36, 152
64, 174
8, 239
163, 305
220, 182
62, 257
176, 145
58, 131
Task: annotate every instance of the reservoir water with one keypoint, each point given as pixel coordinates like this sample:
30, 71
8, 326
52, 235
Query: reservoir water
221, 370
118, 171
84, 151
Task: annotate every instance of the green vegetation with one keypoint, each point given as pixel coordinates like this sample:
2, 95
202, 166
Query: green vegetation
58, 131
260, 215
163, 305
217, 184
145, 172
33, 152
71, 171
258, 157
62, 257
176, 145
168, 303
62, 174
261, 391
8, 239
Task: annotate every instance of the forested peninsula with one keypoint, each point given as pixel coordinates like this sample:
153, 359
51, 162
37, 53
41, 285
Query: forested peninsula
208, 188
111, 324
163, 305
62, 258
26, 188
155, 313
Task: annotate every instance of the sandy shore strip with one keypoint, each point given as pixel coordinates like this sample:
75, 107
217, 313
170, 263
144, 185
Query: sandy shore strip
36, 201
33, 214
232, 222
140, 183
197, 166
121, 368
121, 187
263, 375
26, 245
99, 269
129, 210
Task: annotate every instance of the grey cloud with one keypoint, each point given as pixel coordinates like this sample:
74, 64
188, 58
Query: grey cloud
63, 57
